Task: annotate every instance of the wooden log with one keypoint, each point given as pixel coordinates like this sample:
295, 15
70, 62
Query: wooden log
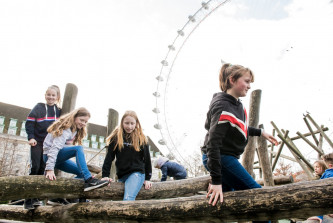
69, 101
94, 168
299, 200
311, 131
248, 156
279, 180
310, 143
12, 188
264, 161
279, 151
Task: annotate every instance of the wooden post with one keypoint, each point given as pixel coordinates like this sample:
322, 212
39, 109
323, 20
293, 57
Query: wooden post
264, 161
311, 131
113, 119
320, 144
248, 156
69, 101
321, 131
272, 149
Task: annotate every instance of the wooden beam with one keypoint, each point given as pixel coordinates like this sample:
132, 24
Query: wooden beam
298, 200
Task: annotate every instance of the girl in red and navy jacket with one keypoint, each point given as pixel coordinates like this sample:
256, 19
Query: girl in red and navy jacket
228, 133
39, 119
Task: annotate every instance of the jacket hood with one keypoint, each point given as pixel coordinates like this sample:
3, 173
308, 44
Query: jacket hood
222, 96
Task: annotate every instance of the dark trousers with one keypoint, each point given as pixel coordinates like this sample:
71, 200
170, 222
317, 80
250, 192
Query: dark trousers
37, 163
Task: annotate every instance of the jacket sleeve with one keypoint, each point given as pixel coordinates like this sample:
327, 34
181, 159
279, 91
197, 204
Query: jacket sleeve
31, 123
164, 170
57, 144
148, 168
110, 155
217, 133
254, 131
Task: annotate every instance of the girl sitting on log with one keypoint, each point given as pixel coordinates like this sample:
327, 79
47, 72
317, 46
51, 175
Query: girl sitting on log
63, 141
130, 146
228, 133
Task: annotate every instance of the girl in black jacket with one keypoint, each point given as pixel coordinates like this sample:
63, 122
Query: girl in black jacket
130, 147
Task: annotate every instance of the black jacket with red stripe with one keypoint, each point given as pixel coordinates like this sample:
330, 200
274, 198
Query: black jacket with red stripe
39, 119
228, 131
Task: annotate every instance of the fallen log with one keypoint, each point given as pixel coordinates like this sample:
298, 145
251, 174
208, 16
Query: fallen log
298, 200
19, 187
279, 180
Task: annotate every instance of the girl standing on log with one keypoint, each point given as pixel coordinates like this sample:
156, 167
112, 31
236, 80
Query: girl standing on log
228, 133
130, 146
64, 142
38, 120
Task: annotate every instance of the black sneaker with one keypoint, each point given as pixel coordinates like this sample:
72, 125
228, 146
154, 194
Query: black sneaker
36, 202
93, 183
58, 202
28, 204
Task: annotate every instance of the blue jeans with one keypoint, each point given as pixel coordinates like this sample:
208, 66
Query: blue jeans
205, 160
234, 175
63, 163
133, 183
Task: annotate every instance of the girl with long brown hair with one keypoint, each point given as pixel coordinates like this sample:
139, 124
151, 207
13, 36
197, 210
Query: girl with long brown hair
64, 141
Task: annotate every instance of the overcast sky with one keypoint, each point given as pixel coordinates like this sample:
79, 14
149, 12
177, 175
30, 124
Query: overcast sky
111, 50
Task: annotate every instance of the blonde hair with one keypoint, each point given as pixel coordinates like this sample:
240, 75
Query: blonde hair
68, 121
137, 137
232, 71
57, 89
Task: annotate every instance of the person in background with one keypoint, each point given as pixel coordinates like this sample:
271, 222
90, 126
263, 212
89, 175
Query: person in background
328, 173
170, 168
129, 146
319, 168
38, 120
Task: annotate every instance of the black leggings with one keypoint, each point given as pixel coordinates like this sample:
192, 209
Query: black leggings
37, 163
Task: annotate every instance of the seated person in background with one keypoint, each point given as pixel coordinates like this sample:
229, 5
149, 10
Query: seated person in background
170, 168
319, 168
328, 159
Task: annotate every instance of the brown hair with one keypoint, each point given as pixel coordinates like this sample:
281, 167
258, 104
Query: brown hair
232, 71
322, 164
328, 159
137, 137
68, 121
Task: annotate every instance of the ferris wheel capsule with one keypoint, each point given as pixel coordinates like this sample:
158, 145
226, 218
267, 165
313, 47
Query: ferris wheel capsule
162, 142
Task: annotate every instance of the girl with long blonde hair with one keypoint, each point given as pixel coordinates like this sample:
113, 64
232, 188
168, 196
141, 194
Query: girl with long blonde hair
63, 142
129, 145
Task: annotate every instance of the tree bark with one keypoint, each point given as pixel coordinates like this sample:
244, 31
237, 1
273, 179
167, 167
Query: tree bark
12, 188
264, 160
299, 200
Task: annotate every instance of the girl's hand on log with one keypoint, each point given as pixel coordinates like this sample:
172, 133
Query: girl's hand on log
315, 218
147, 184
215, 191
109, 179
50, 175
270, 138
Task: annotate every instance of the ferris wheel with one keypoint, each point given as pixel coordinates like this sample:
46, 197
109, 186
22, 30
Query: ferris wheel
183, 34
